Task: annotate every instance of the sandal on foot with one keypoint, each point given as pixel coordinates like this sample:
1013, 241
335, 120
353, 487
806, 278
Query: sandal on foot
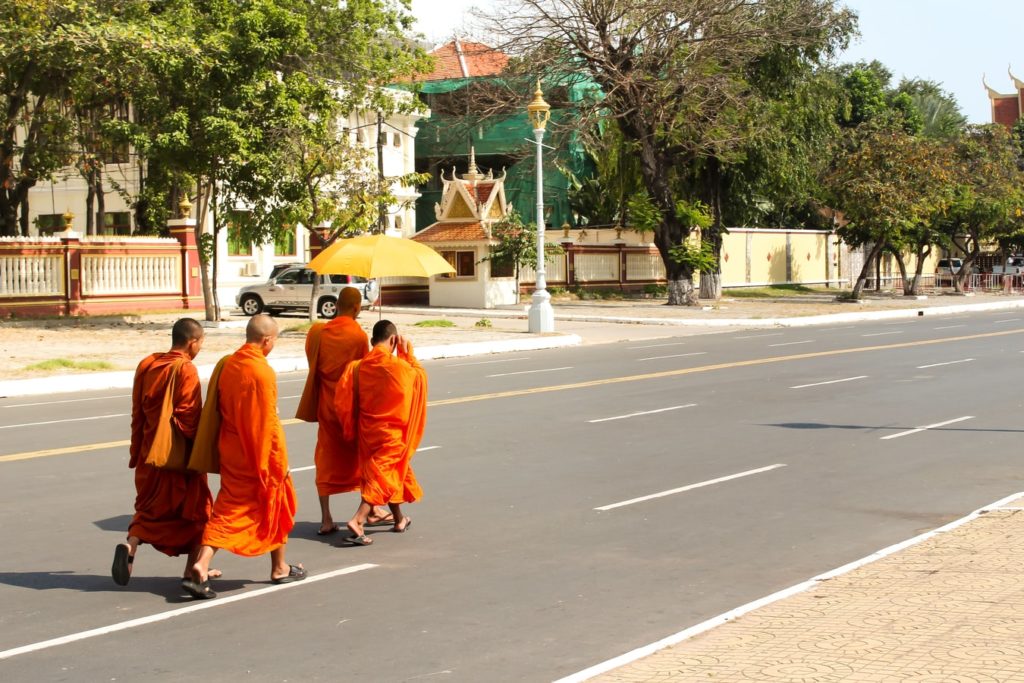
200, 590
294, 574
408, 523
121, 570
383, 520
328, 532
359, 539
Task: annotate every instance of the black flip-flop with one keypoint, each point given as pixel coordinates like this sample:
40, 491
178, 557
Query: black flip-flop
359, 539
294, 574
121, 569
382, 521
200, 590
333, 529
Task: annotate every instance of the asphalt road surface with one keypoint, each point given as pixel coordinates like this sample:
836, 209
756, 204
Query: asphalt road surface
579, 503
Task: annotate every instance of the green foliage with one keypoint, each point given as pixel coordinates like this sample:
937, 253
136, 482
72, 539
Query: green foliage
482, 322
699, 257
517, 242
65, 364
434, 323
771, 292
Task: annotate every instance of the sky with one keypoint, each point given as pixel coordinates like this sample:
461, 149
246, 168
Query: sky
953, 42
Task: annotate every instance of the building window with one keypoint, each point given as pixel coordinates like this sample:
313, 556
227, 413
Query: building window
464, 263
397, 139
237, 244
502, 267
114, 223
49, 223
284, 242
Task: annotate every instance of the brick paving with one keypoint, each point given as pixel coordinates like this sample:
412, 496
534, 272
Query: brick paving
949, 609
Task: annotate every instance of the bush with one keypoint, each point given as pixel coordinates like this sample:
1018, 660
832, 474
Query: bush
434, 323
482, 322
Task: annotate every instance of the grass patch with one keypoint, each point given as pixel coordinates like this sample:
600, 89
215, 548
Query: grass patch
65, 364
482, 322
300, 328
434, 323
771, 292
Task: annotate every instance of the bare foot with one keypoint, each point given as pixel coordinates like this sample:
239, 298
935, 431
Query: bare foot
379, 516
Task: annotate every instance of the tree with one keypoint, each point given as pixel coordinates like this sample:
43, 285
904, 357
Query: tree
270, 77
59, 56
666, 71
988, 193
887, 183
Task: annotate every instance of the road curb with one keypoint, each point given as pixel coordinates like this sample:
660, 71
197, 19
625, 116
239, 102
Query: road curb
60, 384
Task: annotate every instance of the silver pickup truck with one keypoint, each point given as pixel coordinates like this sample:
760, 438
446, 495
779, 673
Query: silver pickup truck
292, 289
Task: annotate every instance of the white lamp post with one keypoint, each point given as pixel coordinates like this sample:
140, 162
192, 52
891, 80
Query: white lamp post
542, 316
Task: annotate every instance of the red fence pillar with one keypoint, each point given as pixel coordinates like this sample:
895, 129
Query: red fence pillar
184, 230
72, 243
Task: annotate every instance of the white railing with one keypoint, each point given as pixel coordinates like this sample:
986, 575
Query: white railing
31, 275
104, 274
554, 267
644, 267
597, 267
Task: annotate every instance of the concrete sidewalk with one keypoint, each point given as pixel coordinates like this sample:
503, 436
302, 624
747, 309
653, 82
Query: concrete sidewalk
946, 606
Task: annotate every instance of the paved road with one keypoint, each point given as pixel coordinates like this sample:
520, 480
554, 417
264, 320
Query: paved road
510, 572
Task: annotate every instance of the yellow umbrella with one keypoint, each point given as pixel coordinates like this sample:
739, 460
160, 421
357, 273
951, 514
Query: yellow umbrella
373, 256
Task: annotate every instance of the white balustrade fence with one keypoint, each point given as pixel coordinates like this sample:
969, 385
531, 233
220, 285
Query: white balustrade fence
644, 267
554, 267
597, 267
117, 274
31, 275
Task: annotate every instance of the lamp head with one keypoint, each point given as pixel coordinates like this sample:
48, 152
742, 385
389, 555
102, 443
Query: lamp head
538, 111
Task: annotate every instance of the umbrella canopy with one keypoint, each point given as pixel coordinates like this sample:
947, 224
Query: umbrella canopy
374, 256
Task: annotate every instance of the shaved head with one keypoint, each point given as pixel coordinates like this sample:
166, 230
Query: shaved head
184, 331
350, 302
259, 328
383, 331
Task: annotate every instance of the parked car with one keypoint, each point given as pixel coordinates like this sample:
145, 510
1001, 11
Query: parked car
291, 288
1014, 266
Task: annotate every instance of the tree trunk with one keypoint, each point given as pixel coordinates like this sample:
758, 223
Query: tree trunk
866, 270
101, 201
90, 200
971, 257
313, 298
711, 279
907, 285
23, 218
203, 199
216, 260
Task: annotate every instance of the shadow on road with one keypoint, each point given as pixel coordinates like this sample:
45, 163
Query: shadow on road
165, 587
119, 523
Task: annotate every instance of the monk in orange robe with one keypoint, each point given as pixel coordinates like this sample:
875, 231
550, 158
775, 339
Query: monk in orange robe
255, 506
171, 507
382, 403
330, 348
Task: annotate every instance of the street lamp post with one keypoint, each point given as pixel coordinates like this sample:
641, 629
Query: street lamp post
542, 316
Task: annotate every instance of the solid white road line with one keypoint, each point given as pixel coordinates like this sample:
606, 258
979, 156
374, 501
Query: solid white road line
761, 336
645, 412
952, 362
485, 362
73, 419
675, 355
529, 372
833, 381
70, 400
806, 341
734, 614
948, 327
682, 489
289, 381
653, 346
170, 614
281, 398
882, 334
927, 427
1008, 320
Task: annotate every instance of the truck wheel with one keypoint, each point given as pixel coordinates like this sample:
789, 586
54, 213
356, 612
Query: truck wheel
251, 304
327, 308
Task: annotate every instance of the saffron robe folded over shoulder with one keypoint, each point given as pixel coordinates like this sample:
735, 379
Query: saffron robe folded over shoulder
171, 507
329, 349
382, 403
255, 506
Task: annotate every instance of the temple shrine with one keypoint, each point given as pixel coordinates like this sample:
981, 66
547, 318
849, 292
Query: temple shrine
1006, 108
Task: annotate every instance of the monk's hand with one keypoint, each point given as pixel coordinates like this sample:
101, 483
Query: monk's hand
404, 345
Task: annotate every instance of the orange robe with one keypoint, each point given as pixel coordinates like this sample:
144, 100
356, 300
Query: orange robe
255, 507
171, 507
329, 350
382, 403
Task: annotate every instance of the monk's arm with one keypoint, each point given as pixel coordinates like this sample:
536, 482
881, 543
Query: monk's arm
188, 401
138, 417
343, 401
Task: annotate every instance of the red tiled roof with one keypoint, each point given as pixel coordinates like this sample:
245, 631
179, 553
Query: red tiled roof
483, 191
452, 232
480, 59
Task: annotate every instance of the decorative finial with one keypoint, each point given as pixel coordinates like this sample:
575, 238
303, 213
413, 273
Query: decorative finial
473, 174
68, 217
184, 207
